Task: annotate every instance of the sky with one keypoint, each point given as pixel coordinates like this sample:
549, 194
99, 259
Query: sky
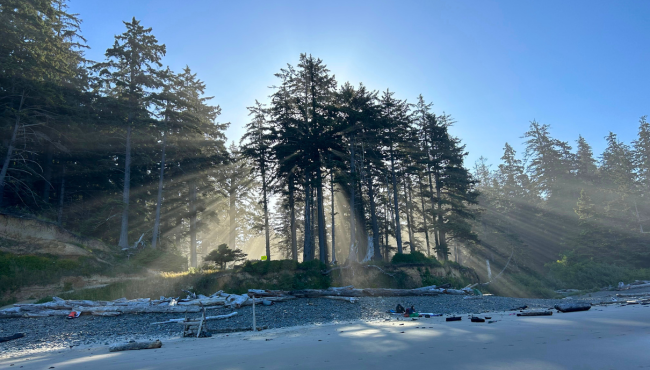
581, 67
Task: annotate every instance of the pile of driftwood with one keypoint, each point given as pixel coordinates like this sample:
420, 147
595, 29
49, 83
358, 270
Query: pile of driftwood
193, 303
634, 285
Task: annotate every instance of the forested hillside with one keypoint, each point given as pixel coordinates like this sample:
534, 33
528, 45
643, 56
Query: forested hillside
561, 207
128, 151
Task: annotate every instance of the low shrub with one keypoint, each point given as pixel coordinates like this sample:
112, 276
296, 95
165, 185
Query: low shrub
17, 271
568, 273
414, 257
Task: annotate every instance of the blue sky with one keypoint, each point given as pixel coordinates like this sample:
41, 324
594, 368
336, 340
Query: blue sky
581, 66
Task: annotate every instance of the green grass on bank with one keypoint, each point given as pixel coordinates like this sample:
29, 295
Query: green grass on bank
414, 257
569, 274
276, 275
19, 271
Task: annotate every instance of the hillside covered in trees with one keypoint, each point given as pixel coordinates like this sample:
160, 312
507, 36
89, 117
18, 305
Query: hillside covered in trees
130, 152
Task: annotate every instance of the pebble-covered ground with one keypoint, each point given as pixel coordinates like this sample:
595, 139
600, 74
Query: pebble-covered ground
59, 332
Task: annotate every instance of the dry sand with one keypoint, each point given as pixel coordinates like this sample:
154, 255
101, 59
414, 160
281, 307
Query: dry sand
615, 337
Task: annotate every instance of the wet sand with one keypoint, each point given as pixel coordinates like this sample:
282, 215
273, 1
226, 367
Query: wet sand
613, 337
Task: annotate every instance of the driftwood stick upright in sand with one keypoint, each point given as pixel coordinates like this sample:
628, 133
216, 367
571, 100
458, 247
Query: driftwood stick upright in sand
135, 346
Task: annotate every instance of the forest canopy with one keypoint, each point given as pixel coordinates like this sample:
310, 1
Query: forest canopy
129, 151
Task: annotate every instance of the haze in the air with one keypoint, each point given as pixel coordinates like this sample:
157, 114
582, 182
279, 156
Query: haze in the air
579, 66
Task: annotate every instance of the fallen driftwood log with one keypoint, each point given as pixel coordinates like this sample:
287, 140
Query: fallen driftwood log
45, 313
135, 346
346, 299
195, 303
236, 300
214, 301
218, 317
632, 294
12, 337
381, 292
141, 309
573, 307
107, 314
316, 293
267, 293
536, 313
636, 284
249, 302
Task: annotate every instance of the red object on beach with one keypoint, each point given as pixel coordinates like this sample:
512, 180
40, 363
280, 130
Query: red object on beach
74, 314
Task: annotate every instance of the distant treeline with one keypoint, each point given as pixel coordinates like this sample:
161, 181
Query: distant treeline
559, 203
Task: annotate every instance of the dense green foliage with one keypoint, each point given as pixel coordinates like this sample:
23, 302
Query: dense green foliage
280, 274
586, 274
151, 259
223, 255
18, 271
414, 257
563, 202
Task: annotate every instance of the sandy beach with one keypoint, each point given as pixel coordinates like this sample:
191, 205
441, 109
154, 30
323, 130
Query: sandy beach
615, 337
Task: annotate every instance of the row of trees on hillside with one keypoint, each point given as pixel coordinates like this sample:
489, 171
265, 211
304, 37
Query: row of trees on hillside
397, 167
129, 151
123, 149
556, 200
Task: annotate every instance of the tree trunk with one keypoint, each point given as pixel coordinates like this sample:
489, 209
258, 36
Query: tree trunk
306, 254
362, 232
424, 216
179, 231
10, 149
47, 174
386, 223
156, 225
312, 223
232, 216
124, 232
434, 218
333, 222
443, 250
292, 211
322, 238
409, 226
353, 238
398, 229
266, 214
193, 259
59, 215
373, 220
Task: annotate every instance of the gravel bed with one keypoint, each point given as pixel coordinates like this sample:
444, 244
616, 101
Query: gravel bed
58, 332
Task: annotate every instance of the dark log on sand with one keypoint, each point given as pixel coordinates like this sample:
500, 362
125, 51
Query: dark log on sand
267, 293
536, 313
135, 346
12, 337
573, 307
